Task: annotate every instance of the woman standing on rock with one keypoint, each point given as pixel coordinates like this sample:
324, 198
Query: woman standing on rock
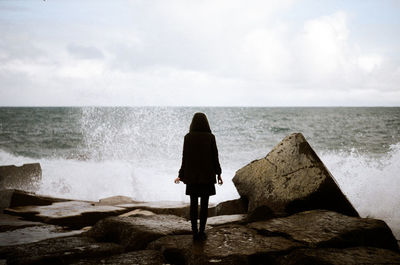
200, 165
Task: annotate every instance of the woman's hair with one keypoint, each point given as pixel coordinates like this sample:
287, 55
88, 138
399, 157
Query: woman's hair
200, 123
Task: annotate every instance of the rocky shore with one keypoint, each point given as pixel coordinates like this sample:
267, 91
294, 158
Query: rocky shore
291, 211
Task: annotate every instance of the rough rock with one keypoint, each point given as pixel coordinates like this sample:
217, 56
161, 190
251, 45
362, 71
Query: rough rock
162, 207
14, 198
238, 206
34, 233
11, 222
232, 244
290, 179
75, 214
58, 251
140, 257
26, 176
115, 200
136, 232
321, 228
226, 219
348, 256
136, 212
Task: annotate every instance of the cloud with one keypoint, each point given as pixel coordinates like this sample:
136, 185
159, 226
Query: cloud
324, 45
194, 53
370, 62
84, 52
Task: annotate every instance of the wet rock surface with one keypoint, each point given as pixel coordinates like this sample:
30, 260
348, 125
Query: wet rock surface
34, 233
311, 237
11, 222
13, 198
321, 228
232, 244
348, 256
75, 214
140, 257
58, 251
238, 206
137, 212
116, 200
227, 219
290, 179
162, 207
135, 232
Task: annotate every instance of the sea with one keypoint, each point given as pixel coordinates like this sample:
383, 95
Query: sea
90, 153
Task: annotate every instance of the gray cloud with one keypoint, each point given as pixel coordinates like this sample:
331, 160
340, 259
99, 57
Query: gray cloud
84, 52
191, 53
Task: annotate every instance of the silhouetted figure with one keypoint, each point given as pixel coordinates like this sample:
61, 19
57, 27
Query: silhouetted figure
200, 165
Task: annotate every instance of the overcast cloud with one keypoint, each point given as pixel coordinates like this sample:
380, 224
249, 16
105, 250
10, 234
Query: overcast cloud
209, 52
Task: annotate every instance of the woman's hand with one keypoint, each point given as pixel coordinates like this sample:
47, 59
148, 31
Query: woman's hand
220, 182
177, 180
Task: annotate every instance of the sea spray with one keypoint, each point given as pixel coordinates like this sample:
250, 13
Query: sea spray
370, 183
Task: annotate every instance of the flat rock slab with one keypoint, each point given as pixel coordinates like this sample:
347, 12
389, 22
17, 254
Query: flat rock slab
115, 200
226, 219
11, 222
140, 257
290, 179
321, 228
13, 198
347, 256
33, 234
135, 232
163, 207
137, 212
75, 214
232, 244
58, 251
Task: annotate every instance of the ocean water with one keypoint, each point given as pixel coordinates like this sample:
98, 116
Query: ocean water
95, 152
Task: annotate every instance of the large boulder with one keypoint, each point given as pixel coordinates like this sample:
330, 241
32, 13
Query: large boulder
290, 179
24, 177
232, 244
135, 232
58, 251
321, 228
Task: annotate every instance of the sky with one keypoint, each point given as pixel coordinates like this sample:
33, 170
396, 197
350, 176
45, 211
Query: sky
199, 53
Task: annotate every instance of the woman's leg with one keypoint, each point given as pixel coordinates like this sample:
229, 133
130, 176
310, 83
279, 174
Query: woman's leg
203, 213
194, 206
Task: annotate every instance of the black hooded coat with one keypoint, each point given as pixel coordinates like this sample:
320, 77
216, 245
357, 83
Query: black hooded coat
200, 163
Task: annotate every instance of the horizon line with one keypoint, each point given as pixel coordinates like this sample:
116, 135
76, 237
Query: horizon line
199, 106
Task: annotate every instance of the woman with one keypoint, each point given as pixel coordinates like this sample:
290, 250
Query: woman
200, 165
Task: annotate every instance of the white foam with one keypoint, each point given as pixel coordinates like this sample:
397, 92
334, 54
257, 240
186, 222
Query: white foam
371, 184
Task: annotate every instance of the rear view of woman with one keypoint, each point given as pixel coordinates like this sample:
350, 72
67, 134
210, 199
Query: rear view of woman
200, 165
